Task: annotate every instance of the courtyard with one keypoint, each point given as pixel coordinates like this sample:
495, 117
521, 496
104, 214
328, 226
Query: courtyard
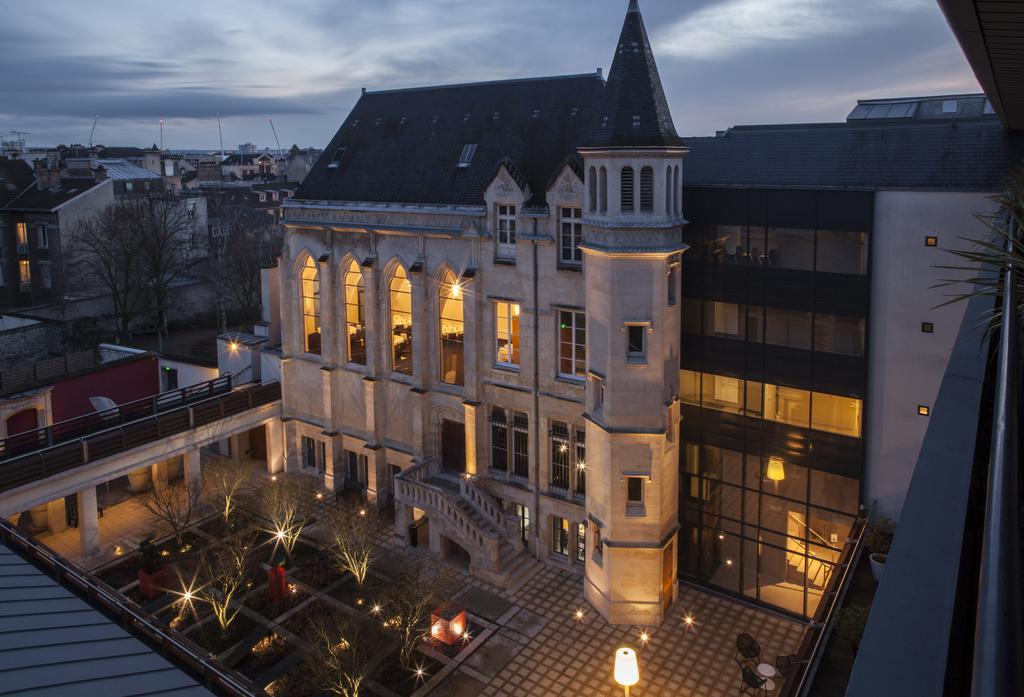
542, 639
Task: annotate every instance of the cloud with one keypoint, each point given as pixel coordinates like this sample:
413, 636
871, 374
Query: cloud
733, 27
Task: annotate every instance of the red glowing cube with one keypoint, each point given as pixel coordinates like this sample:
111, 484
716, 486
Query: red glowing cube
448, 624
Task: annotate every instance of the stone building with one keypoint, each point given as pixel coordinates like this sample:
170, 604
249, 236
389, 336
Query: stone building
437, 322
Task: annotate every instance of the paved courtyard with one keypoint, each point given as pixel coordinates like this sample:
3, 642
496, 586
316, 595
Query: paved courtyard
535, 642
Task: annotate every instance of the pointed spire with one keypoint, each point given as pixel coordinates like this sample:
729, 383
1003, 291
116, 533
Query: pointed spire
634, 111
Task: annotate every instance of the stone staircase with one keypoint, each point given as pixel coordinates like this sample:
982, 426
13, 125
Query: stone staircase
465, 513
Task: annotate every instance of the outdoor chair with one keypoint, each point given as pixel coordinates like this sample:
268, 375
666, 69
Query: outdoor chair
753, 684
747, 648
786, 665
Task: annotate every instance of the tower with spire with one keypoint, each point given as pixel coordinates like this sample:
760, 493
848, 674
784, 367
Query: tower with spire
632, 247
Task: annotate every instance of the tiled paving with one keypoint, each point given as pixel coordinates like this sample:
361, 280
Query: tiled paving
535, 645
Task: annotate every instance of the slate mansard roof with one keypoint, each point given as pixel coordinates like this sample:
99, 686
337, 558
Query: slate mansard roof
53, 643
403, 146
965, 155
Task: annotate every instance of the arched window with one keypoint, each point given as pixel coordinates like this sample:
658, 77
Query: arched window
668, 191
602, 194
677, 191
646, 190
355, 314
626, 190
592, 189
311, 306
452, 329
401, 322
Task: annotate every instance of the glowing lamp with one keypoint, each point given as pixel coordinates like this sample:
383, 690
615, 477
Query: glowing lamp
447, 624
627, 671
776, 469
456, 290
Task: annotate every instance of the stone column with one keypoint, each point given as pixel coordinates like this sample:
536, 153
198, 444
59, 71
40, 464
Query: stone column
56, 515
474, 429
379, 485
330, 333
193, 466
275, 447
375, 330
88, 522
159, 475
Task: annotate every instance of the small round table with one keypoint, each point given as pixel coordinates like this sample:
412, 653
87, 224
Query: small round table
766, 670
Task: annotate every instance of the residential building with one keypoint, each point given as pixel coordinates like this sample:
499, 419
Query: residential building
249, 166
35, 221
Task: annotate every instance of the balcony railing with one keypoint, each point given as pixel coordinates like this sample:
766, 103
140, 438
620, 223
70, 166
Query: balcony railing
33, 466
81, 426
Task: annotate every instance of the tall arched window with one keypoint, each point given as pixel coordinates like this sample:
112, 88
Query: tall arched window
452, 329
668, 191
626, 190
592, 189
602, 191
311, 306
646, 190
677, 191
401, 322
355, 314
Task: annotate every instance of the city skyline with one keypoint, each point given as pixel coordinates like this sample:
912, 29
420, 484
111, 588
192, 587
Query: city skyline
723, 63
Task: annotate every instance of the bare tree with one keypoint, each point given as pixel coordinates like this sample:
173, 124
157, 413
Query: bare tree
222, 570
288, 504
346, 652
166, 245
224, 483
174, 504
102, 256
409, 601
245, 239
352, 535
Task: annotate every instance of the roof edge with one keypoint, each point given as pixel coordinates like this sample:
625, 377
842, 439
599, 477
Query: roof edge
456, 85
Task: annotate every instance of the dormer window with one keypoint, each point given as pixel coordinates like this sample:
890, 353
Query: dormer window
466, 158
335, 162
636, 121
506, 218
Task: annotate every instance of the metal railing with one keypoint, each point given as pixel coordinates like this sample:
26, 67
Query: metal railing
24, 469
81, 426
168, 643
998, 644
809, 659
46, 370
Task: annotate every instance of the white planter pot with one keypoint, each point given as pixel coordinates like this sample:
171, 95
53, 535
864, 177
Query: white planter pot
138, 481
877, 565
40, 517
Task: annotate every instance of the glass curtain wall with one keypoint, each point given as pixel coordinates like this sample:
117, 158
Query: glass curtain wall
764, 525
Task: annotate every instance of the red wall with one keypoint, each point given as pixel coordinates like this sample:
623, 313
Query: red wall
25, 420
124, 382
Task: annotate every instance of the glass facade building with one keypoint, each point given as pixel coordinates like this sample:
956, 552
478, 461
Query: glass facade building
772, 385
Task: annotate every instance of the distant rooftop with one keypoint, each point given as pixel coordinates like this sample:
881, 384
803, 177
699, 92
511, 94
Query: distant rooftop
125, 171
953, 106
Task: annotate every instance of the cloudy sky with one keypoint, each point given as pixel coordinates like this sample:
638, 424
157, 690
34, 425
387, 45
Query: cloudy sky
302, 62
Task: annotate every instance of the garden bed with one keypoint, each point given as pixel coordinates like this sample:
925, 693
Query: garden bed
452, 650
299, 623
210, 637
317, 572
391, 674
267, 652
259, 601
360, 597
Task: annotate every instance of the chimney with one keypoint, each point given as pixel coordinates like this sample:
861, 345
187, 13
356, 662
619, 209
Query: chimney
44, 175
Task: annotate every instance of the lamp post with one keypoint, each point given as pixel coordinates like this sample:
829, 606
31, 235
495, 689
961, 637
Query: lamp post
627, 672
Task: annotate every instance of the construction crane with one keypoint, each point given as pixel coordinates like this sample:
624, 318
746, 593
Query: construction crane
93, 131
280, 153
221, 134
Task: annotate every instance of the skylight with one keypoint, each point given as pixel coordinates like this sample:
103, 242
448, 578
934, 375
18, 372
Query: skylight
466, 158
